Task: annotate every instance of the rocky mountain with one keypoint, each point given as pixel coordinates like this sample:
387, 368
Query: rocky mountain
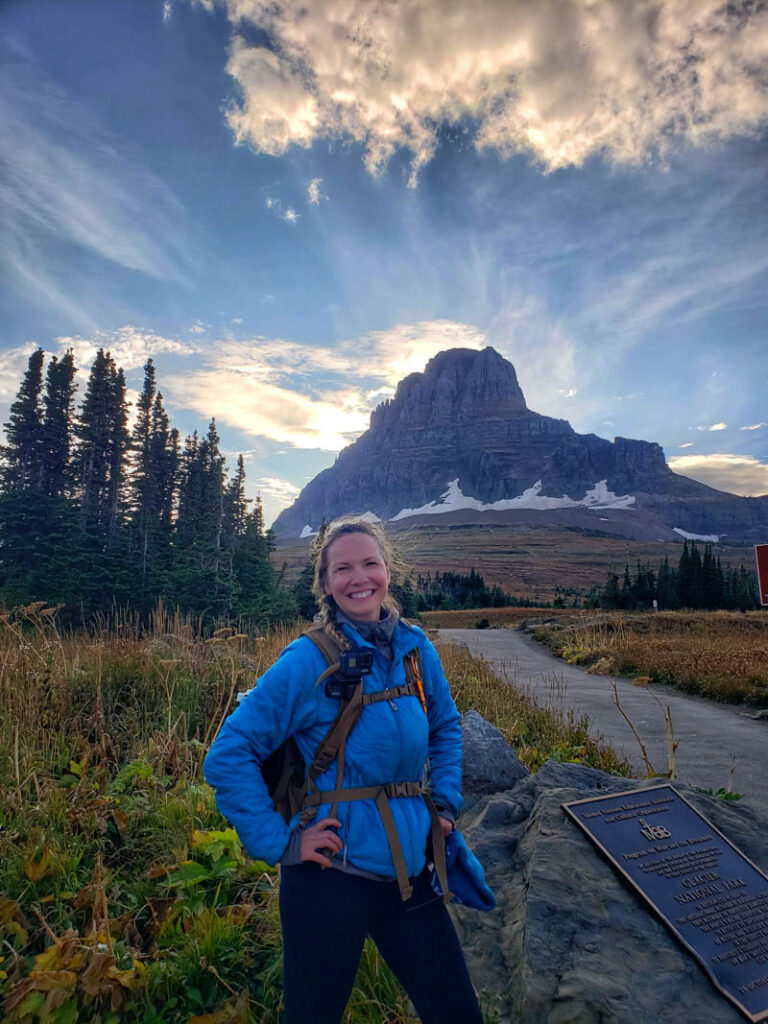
459, 438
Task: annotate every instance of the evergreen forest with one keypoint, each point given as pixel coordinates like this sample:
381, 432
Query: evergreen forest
699, 582
97, 518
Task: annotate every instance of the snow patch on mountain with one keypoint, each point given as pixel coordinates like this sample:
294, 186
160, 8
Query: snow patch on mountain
711, 537
452, 500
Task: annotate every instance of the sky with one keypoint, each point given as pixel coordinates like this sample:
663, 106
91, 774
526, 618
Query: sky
291, 206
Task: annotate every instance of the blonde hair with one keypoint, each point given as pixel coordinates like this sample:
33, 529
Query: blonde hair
339, 528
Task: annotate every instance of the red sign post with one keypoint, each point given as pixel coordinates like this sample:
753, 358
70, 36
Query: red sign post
761, 554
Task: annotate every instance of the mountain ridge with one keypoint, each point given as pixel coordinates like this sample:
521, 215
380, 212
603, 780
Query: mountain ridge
463, 424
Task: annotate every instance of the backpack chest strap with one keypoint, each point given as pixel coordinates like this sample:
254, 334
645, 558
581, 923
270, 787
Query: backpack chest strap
391, 790
406, 690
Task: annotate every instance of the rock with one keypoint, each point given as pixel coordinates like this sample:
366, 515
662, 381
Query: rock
569, 942
489, 764
465, 418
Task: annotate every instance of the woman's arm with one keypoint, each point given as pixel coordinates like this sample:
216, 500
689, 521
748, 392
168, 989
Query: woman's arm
280, 705
444, 734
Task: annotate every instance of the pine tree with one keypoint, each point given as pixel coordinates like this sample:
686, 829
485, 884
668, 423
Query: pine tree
697, 579
93, 430
666, 585
711, 586
155, 460
58, 403
143, 497
685, 578
234, 512
119, 439
24, 430
200, 577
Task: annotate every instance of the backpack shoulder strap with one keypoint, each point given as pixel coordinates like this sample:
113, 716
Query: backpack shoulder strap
328, 647
324, 642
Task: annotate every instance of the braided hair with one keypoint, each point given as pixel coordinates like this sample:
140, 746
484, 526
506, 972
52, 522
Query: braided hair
338, 528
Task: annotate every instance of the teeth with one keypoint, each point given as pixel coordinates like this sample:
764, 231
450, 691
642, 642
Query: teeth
361, 595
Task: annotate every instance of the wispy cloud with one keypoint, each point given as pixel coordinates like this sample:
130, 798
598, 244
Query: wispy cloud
284, 213
754, 426
560, 80
738, 474
314, 195
130, 347
277, 490
687, 444
64, 179
713, 427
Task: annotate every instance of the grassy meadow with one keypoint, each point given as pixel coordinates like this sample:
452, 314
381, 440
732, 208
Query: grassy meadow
488, 618
124, 896
719, 655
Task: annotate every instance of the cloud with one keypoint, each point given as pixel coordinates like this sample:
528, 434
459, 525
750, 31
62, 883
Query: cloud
65, 180
714, 426
275, 493
738, 474
130, 347
252, 404
307, 397
754, 426
688, 444
567, 392
288, 213
314, 195
277, 489
560, 80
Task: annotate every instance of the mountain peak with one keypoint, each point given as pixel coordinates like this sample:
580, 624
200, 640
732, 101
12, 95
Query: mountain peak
456, 386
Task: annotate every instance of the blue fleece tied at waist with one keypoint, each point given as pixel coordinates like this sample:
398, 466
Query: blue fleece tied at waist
465, 875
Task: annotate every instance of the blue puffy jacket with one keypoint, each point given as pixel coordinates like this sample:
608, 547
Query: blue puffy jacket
390, 743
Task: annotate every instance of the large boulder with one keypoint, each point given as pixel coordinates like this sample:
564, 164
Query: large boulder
569, 942
489, 764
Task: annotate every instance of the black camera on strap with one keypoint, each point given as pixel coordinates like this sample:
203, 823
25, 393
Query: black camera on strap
353, 665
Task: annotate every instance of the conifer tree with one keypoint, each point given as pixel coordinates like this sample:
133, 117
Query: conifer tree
119, 439
58, 403
234, 513
24, 430
155, 458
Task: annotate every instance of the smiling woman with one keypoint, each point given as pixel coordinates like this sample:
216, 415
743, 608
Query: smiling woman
365, 811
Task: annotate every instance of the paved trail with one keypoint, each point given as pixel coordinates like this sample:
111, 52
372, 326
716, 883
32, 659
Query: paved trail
711, 737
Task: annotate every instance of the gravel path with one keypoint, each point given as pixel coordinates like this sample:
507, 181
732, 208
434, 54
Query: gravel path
712, 738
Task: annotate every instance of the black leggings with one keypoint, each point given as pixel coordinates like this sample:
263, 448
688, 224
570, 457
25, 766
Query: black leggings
326, 916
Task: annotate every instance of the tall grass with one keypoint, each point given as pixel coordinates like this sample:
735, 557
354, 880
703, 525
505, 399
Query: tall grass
125, 896
720, 655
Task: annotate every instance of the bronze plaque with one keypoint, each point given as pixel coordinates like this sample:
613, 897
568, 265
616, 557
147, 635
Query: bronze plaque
710, 896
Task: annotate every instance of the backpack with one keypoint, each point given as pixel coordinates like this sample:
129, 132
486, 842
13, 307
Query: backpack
292, 785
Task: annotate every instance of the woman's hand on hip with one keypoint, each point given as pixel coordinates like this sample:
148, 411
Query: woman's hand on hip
447, 827
320, 839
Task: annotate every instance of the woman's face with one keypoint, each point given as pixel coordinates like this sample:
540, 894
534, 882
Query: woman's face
357, 577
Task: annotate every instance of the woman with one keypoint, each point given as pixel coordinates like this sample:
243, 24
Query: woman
339, 870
